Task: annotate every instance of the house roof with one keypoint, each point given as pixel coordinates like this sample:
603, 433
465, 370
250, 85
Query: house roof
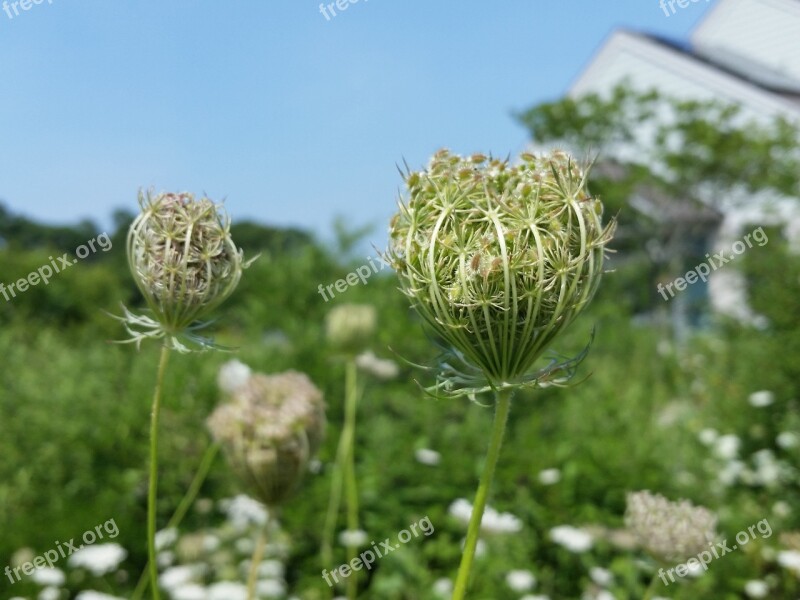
721, 60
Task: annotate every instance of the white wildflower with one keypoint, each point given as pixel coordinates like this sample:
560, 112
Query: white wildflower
47, 576
166, 538
756, 588
271, 588
190, 591
787, 439
380, 368
790, 559
175, 577
602, 577
573, 539
520, 580
232, 375
443, 587
427, 457
353, 538
727, 446
227, 590
243, 511
49, 593
93, 595
708, 436
549, 476
99, 559
761, 398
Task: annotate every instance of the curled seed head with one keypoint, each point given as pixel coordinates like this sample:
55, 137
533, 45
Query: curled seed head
269, 429
349, 327
182, 257
498, 259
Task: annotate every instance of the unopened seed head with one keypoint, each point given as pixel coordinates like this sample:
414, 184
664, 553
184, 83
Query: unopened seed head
496, 258
270, 429
349, 327
182, 257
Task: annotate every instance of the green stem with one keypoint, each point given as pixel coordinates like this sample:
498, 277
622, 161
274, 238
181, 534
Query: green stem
503, 405
183, 508
152, 493
341, 471
350, 470
255, 561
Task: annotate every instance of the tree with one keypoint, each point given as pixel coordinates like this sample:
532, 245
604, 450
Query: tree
670, 168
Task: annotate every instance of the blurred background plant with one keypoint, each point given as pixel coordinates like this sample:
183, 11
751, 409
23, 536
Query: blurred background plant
708, 412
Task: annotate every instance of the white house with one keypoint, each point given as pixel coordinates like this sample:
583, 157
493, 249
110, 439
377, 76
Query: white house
745, 52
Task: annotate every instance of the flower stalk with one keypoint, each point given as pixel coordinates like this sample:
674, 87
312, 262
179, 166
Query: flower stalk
502, 409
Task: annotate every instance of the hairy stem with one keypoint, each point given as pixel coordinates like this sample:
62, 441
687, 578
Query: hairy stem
152, 493
350, 470
183, 508
503, 405
255, 561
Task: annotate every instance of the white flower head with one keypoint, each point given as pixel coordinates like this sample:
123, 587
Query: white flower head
790, 559
669, 531
727, 446
227, 590
271, 588
461, 509
99, 559
166, 538
443, 587
190, 591
761, 398
49, 593
756, 588
177, 577
233, 375
602, 577
549, 476
244, 511
572, 538
47, 576
427, 457
93, 595
353, 538
787, 439
520, 580
271, 569
708, 436
380, 368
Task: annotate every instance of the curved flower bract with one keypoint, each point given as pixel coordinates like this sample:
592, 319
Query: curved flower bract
498, 259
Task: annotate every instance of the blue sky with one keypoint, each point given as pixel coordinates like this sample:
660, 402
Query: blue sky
292, 118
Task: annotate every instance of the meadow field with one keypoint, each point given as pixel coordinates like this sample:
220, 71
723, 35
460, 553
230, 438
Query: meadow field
712, 418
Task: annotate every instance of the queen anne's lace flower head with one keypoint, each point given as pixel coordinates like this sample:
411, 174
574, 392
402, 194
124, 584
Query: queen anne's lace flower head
185, 263
669, 531
498, 259
269, 429
349, 327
